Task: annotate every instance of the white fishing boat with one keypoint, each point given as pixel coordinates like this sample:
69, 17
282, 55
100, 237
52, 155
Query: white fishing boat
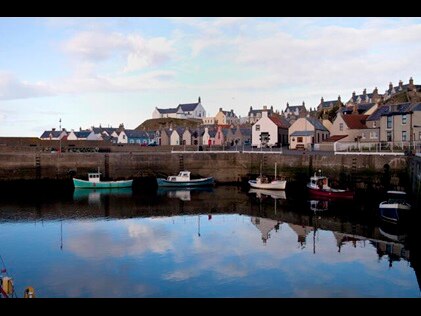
263, 182
183, 180
395, 207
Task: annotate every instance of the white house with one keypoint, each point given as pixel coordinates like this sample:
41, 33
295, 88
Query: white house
53, 134
183, 111
175, 137
269, 131
83, 135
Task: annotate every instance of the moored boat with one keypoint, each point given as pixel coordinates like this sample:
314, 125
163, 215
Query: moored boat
262, 182
396, 207
183, 180
94, 182
319, 187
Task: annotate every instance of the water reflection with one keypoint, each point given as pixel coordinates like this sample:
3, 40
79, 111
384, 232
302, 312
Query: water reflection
183, 194
274, 194
318, 205
220, 243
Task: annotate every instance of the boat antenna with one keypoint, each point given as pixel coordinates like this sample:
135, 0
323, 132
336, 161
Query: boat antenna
3, 270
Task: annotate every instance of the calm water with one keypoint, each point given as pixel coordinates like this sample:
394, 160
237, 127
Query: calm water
221, 242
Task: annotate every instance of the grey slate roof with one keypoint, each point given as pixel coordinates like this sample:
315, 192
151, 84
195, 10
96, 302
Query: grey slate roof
54, 134
82, 134
131, 133
167, 111
187, 107
377, 113
317, 124
302, 133
416, 107
361, 108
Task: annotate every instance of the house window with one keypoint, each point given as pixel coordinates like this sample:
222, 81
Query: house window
373, 134
299, 139
389, 136
374, 124
131, 141
363, 135
124, 136
257, 127
138, 141
404, 136
404, 119
389, 121
341, 126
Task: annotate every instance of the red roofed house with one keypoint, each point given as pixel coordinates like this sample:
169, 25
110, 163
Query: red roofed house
269, 131
349, 128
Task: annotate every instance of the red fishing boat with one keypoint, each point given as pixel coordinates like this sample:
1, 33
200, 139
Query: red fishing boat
319, 187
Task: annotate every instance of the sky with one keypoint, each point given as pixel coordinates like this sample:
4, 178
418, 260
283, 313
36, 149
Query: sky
107, 71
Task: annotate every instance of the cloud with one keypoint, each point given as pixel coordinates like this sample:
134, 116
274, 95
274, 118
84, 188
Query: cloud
12, 88
139, 52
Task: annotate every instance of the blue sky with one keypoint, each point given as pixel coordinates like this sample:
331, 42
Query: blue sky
91, 71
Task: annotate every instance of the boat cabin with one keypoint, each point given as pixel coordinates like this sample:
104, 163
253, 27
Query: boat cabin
94, 177
182, 176
319, 182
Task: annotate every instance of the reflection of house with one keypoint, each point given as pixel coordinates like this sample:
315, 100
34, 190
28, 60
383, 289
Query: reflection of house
395, 251
265, 225
302, 232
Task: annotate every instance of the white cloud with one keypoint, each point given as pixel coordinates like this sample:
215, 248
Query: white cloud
12, 88
139, 52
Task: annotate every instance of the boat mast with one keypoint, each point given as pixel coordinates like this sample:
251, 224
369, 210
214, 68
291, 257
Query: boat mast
275, 170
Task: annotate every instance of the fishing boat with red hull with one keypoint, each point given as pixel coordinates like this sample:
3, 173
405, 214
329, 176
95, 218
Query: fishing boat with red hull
319, 187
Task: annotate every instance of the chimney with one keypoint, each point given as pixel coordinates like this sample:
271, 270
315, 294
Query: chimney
287, 104
411, 84
400, 84
271, 108
80, 129
353, 94
63, 129
251, 108
375, 91
364, 91
220, 109
53, 129
339, 98
321, 101
390, 86
265, 113
265, 108
199, 100
304, 104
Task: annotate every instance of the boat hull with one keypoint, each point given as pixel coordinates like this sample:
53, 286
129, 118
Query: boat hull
274, 185
191, 183
393, 211
83, 184
330, 194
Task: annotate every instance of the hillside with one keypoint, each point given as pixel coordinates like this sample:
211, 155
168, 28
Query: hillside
156, 124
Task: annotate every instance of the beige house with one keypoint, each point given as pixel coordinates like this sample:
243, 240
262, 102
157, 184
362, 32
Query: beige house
186, 137
305, 132
226, 117
352, 126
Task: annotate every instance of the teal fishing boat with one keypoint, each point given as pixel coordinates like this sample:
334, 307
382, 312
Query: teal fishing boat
94, 182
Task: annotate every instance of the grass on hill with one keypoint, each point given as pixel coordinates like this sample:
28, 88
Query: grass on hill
156, 124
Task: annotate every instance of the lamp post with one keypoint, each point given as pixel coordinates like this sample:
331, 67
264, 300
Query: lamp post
59, 151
